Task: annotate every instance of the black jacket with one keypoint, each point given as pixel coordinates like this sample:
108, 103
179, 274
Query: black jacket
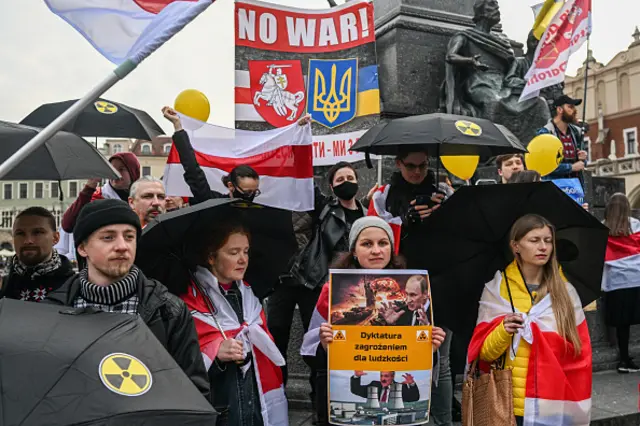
166, 316
13, 284
402, 193
193, 174
311, 266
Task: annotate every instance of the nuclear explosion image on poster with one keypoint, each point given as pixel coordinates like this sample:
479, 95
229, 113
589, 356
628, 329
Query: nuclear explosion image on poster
381, 357
393, 298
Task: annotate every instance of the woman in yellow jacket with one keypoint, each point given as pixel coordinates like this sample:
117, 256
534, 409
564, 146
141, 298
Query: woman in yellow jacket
530, 303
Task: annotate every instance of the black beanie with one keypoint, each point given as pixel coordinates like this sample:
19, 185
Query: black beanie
101, 213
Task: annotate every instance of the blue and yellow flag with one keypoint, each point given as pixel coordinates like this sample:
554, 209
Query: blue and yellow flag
544, 13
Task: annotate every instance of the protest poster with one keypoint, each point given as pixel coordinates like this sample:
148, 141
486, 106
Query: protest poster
292, 61
381, 358
572, 187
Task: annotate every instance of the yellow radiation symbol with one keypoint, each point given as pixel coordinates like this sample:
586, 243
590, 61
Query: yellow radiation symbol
468, 128
125, 375
422, 336
105, 107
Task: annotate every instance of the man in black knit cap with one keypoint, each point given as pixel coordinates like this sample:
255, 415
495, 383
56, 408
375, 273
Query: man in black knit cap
105, 238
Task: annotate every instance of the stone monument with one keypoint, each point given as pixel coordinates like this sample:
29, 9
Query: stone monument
484, 78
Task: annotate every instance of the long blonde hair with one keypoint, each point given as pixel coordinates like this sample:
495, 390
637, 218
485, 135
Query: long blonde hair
552, 283
616, 215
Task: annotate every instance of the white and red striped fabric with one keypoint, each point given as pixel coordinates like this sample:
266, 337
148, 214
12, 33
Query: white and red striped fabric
377, 207
558, 389
127, 29
320, 315
254, 335
282, 157
622, 260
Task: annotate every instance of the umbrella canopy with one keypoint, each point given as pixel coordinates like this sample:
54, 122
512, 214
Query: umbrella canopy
102, 118
449, 134
64, 156
163, 250
63, 366
465, 242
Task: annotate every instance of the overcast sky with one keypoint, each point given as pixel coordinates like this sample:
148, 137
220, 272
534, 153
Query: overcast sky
43, 59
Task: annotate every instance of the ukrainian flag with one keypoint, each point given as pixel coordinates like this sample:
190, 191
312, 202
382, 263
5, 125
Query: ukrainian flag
545, 12
368, 91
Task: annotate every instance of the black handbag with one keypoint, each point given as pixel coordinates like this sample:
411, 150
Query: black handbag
304, 268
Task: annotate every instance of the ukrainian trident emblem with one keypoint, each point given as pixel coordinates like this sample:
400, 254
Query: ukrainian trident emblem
332, 91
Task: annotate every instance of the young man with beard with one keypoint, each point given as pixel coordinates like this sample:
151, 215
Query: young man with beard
147, 198
36, 269
564, 127
105, 236
509, 165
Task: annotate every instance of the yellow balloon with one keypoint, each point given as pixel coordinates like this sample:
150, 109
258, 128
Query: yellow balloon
462, 166
545, 154
194, 104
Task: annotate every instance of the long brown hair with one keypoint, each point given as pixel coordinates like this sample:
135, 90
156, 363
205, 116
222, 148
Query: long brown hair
552, 282
616, 215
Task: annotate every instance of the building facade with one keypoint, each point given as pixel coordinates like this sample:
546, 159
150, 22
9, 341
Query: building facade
613, 114
16, 196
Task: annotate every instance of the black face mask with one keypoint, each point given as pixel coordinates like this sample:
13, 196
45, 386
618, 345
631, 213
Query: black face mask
242, 196
346, 190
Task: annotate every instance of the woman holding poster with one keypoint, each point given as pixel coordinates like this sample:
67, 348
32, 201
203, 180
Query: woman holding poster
371, 243
531, 319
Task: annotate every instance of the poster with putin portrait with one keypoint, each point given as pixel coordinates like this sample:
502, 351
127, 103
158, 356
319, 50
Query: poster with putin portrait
381, 358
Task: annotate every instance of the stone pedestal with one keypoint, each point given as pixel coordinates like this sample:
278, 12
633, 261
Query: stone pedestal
411, 41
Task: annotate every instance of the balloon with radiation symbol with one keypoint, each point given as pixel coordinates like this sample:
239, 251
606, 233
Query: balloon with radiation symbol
545, 154
461, 166
194, 104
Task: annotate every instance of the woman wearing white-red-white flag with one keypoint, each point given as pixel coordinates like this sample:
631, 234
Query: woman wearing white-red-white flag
273, 167
242, 360
371, 242
621, 275
531, 317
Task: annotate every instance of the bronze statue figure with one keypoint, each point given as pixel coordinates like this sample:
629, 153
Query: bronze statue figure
485, 79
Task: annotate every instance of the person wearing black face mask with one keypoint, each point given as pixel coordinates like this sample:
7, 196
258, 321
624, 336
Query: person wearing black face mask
330, 224
243, 182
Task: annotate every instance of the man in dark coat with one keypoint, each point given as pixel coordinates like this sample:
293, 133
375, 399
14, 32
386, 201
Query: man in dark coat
36, 269
105, 235
410, 391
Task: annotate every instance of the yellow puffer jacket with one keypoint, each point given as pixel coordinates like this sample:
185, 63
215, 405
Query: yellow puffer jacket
499, 341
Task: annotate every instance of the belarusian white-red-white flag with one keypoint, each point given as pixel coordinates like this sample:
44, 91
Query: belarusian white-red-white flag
282, 157
566, 33
127, 29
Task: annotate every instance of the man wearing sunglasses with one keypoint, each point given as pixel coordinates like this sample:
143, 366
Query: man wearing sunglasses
411, 196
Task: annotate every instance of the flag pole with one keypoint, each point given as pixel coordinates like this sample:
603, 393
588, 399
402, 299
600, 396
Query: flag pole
45, 134
586, 82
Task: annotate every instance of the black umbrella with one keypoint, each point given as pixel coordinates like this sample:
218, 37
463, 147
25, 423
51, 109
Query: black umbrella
164, 249
465, 242
64, 156
61, 366
102, 118
449, 134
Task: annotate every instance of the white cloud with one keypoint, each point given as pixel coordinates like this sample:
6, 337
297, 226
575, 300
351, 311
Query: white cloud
45, 60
